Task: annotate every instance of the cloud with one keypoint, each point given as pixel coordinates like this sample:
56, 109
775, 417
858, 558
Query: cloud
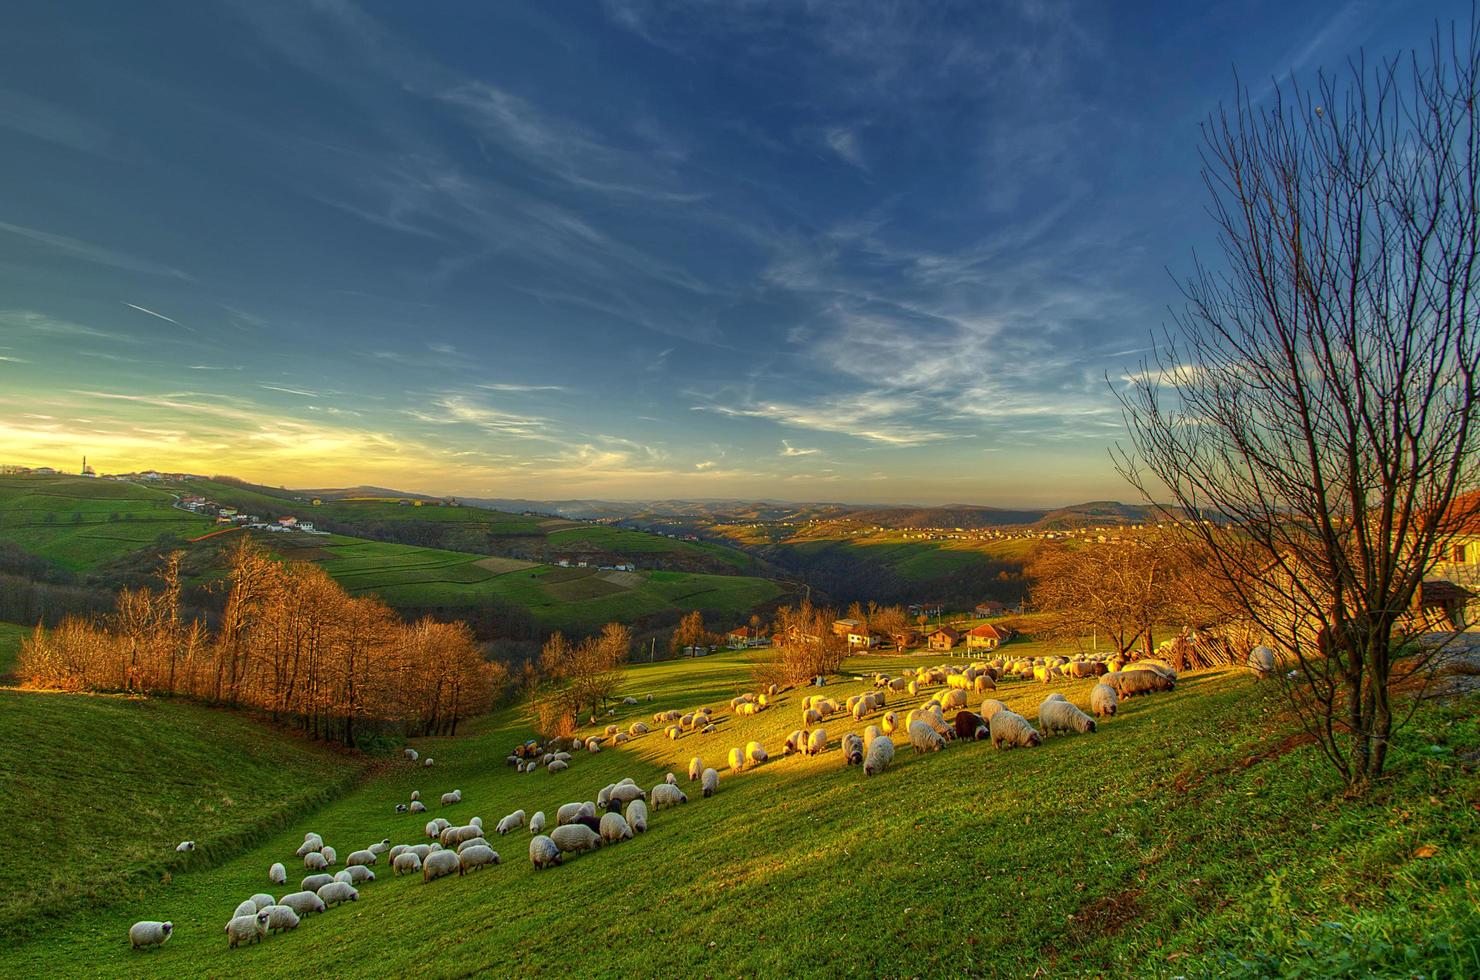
42, 323
844, 142
292, 391
50, 122
708, 464
455, 409
518, 387
875, 417
87, 252
160, 316
787, 449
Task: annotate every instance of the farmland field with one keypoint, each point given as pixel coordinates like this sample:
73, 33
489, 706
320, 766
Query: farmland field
83, 523
1192, 835
10, 644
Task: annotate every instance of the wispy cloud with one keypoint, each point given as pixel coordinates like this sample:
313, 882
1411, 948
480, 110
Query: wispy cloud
87, 252
507, 386
787, 449
161, 316
292, 391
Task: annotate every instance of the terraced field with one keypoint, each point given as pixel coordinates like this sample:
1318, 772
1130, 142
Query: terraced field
83, 523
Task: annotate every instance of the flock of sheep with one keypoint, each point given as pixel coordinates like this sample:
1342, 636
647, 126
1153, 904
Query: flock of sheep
623, 806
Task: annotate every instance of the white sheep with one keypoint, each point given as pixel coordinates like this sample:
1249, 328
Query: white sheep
852, 747
277, 874
246, 928
415, 795
439, 864
637, 815
422, 850
361, 857
281, 918
1261, 662
795, 742
558, 765
417, 806
880, 755
990, 707
474, 842
621, 795
427, 762
248, 907
890, 723
338, 892
450, 798
330, 856
313, 883
537, 822
755, 753
142, 935
385, 845
303, 902
185, 847
925, 738
575, 837
405, 863
1056, 715
666, 795
356, 874
1011, 730
709, 781
513, 820
314, 861
696, 768
614, 828
411, 754
477, 856
816, 742
262, 900
543, 853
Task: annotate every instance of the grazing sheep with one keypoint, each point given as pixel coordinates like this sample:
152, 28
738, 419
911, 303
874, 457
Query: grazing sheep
427, 762
558, 766
670, 779
567, 813
330, 855
415, 795
311, 842
439, 864
638, 728
248, 907
185, 847
890, 723
623, 794
575, 837
925, 738
983, 683
1011, 730
315, 861
971, 726
1261, 662
405, 863
337, 892
1103, 700
1056, 715
303, 902
990, 707
515, 819
869, 734
417, 806
795, 742
247, 928
880, 754
142, 935
362, 857
852, 750
281, 918
710, 782
313, 883
477, 856
953, 700
1086, 668
537, 822
696, 768
277, 874
543, 853
422, 850
356, 874
737, 759
614, 828
810, 717
474, 842
637, 816
755, 753
410, 754
666, 795
450, 798
816, 742
262, 900
1130, 683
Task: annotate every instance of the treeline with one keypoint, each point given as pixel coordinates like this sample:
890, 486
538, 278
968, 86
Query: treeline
289, 642
849, 575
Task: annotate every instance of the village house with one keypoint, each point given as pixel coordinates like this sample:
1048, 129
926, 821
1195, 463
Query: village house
745, 638
989, 608
985, 637
905, 639
943, 638
860, 637
841, 627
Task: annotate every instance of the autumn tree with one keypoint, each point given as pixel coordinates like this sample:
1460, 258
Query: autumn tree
1317, 393
805, 645
1120, 592
690, 632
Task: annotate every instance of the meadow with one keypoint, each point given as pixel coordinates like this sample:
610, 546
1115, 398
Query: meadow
1194, 833
81, 524
11, 635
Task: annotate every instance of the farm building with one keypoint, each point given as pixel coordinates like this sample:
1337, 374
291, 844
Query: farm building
906, 639
943, 638
862, 638
985, 637
841, 627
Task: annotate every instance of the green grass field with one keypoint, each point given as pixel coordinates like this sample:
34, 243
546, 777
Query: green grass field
120, 781
1191, 835
11, 635
83, 523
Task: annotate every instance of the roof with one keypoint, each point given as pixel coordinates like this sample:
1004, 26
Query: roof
1442, 592
954, 635
847, 622
740, 631
1465, 508
987, 630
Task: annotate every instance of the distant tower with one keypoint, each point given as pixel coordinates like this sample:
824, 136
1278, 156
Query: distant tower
87, 470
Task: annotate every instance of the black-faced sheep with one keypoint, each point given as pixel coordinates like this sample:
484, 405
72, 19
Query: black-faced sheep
142, 935
710, 782
1056, 716
924, 738
1011, 730
852, 747
543, 853
1103, 700
880, 755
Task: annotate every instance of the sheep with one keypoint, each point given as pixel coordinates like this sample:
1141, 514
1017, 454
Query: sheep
314, 861
311, 842
355, 874
737, 760
670, 779
990, 707
361, 857
1056, 715
880, 754
593, 745
422, 850
970, 725
262, 900
637, 815
1086, 668
816, 742
417, 806
795, 742
313, 883
614, 828
557, 766
622, 795
638, 728
331, 856
142, 935
543, 853
247, 928
247, 907
448, 799
1130, 683
1261, 662
281, 918
405, 863
755, 753
477, 856
575, 837
696, 768
810, 717
890, 723
869, 734
537, 822
710, 782
185, 847
410, 754
852, 750
665, 795
708, 729
898, 684
953, 700
473, 842
925, 738
427, 762
277, 874
453, 836
439, 864
515, 819
1011, 730
303, 902
983, 683
338, 892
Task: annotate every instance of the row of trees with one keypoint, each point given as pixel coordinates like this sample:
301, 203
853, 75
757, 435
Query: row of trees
574, 681
290, 642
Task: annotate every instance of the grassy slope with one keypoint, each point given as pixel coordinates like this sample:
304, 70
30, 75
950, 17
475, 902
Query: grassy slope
117, 782
913, 560
11, 635
82, 523
1139, 848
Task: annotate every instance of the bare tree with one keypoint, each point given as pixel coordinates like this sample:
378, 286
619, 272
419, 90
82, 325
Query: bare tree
1122, 592
1318, 392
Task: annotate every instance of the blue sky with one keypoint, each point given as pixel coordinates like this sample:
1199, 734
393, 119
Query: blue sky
810, 251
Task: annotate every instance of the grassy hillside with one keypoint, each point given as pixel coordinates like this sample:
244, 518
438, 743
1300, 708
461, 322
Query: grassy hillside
82, 523
1192, 834
118, 782
10, 644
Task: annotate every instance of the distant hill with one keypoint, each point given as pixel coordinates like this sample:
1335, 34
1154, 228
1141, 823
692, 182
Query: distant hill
1097, 512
